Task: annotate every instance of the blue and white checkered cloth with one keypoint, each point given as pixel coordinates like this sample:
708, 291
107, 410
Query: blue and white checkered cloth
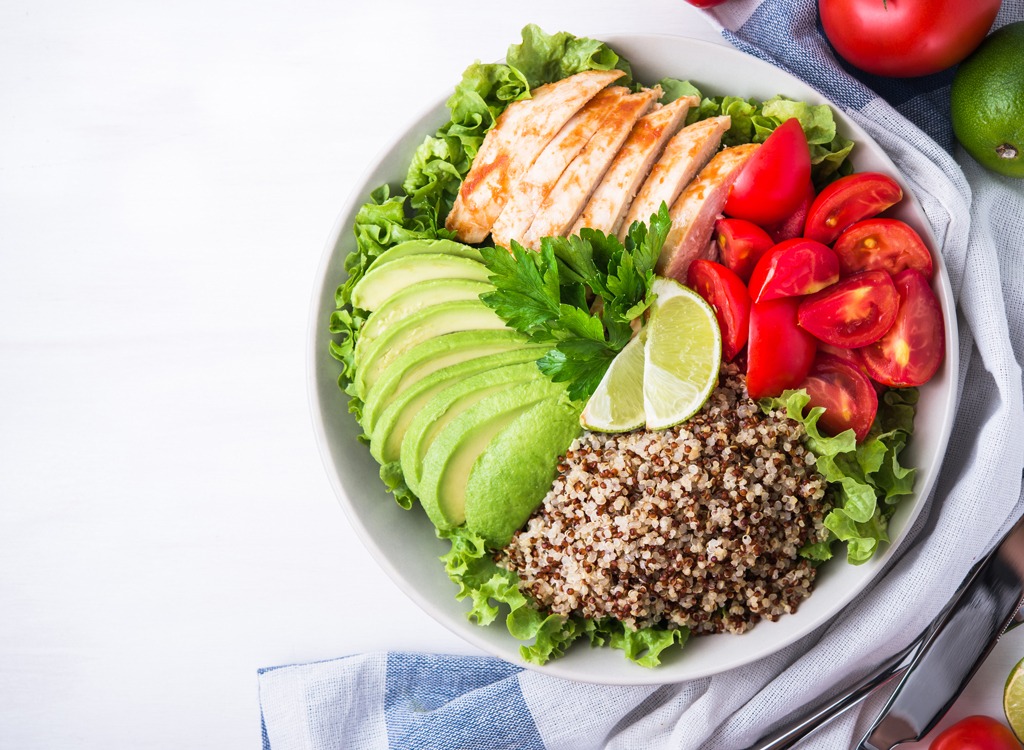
412, 701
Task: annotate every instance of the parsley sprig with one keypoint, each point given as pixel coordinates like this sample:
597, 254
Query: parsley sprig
579, 293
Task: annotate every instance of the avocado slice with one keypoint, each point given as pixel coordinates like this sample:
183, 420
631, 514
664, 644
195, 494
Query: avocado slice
421, 247
384, 281
510, 479
414, 298
451, 456
430, 356
390, 428
448, 404
436, 320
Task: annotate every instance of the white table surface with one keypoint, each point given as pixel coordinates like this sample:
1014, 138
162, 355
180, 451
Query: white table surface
169, 173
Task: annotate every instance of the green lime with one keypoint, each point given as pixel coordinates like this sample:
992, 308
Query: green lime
1013, 700
618, 403
682, 355
987, 101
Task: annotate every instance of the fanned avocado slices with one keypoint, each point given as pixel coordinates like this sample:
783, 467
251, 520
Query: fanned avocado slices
390, 429
428, 323
383, 281
430, 356
456, 448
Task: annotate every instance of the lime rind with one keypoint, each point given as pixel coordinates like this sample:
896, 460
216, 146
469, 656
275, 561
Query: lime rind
683, 355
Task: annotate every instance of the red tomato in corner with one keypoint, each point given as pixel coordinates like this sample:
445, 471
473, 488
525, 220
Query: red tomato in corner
741, 244
904, 38
728, 297
855, 312
779, 352
793, 268
847, 200
887, 244
846, 393
911, 352
774, 180
976, 733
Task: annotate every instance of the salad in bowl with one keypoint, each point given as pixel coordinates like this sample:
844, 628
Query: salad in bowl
643, 360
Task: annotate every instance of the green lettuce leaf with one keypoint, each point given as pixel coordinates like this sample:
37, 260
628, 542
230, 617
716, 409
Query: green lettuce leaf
673, 88
753, 122
867, 480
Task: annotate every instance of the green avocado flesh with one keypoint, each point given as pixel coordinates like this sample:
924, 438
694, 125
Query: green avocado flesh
384, 281
422, 247
448, 404
450, 458
391, 427
428, 323
414, 298
510, 479
429, 357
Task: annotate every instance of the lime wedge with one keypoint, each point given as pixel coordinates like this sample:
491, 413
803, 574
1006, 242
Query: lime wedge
681, 357
618, 403
1013, 700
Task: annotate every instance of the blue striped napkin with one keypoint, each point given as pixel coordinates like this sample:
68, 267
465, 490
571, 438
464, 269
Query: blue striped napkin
411, 701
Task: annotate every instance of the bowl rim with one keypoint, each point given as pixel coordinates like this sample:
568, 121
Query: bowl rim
316, 341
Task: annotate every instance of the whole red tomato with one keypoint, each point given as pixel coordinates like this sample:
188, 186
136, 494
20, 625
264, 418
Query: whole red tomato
905, 38
976, 733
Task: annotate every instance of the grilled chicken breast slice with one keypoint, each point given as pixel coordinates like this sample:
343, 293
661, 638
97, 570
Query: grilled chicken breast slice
694, 213
569, 196
529, 193
684, 155
608, 205
512, 145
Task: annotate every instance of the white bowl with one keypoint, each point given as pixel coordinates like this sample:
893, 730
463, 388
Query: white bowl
403, 542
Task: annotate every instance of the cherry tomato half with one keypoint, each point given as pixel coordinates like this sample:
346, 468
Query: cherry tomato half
741, 243
794, 225
976, 733
912, 350
887, 244
779, 352
855, 312
849, 199
846, 393
901, 39
773, 181
728, 297
793, 268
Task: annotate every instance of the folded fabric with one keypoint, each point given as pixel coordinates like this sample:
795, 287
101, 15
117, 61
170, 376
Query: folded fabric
411, 701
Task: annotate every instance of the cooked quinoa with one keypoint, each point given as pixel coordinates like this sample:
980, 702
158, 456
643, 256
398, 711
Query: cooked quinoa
697, 526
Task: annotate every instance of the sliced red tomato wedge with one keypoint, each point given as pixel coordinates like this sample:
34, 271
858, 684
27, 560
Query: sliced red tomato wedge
886, 244
847, 200
845, 392
794, 225
728, 297
779, 352
741, 244
772, 182
793, 268
855, 312
911, 352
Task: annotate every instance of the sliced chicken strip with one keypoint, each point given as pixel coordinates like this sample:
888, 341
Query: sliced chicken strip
684, 155
569, 196
519, 135
694, 214
611, 200
529, 193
